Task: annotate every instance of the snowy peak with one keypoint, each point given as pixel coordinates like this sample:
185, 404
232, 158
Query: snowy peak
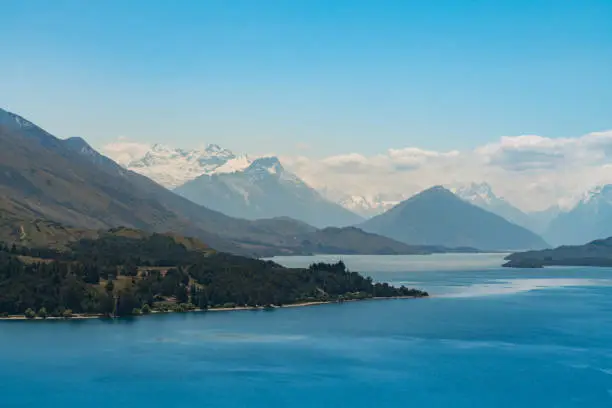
214, 149
264, 189
270, 165
172, 167
482, 195
598, 195
476, 193
589, 219
370, 205
238, 163
162, 154
359, 204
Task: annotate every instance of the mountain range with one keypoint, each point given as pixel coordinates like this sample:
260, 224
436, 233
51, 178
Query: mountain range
478, 194
262, 188
437, 216
239, 186
172, 167
589, 219
266, 189
482, 195
222, 198
55, 190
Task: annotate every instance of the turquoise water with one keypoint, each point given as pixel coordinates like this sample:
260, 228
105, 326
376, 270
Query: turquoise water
489, 337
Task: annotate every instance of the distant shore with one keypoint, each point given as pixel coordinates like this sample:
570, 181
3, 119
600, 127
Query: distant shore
81, 316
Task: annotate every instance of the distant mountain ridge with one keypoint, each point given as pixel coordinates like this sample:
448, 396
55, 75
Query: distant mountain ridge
369, 205
239, 186
482, 195
588, 220
53, 191
436, 216
265, 189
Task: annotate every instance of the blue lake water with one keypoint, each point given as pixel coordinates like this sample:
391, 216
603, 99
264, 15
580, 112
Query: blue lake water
488, 337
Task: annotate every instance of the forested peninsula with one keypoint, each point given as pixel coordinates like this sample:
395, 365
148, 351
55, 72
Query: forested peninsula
594, 253
129, 272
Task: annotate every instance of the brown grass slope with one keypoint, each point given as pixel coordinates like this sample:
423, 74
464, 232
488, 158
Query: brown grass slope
48, 181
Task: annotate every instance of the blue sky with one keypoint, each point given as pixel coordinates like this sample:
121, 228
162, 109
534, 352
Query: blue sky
309, 77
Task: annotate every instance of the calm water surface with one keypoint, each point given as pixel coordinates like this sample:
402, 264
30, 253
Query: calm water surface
489, 337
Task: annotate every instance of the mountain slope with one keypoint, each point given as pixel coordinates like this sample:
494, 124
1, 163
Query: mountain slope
590, 219
44, 177
482, 195
265, 190
45, 181
541, 220
354, 240
438, 217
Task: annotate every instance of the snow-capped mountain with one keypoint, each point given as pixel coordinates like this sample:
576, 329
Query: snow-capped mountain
369, 206
597, 196
265, 189
172, 167
238, 185
476, 193
589, 219
436, 216
482, 195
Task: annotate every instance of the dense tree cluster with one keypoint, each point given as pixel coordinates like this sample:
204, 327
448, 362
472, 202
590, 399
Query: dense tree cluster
123, 276
55, 286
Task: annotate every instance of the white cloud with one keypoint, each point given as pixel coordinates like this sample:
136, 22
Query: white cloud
124, 151
531, 171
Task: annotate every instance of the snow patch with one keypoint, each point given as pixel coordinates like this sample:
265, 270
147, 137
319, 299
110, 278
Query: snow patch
475, 193
239, 163
172, 167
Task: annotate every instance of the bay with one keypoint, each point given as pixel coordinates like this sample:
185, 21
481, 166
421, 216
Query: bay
488, 337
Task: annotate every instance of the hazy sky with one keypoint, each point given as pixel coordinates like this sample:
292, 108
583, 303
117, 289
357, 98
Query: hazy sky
312, 78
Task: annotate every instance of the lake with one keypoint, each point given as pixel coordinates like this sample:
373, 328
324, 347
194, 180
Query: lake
488, 337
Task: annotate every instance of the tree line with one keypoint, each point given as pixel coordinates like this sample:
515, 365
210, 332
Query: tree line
119, 276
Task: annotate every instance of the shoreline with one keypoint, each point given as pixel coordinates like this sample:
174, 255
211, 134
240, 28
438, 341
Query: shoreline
220, 309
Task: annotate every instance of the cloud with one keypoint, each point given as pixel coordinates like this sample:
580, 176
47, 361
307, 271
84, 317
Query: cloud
531, 171
533, 152
394, 160
353, 163
124, 151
